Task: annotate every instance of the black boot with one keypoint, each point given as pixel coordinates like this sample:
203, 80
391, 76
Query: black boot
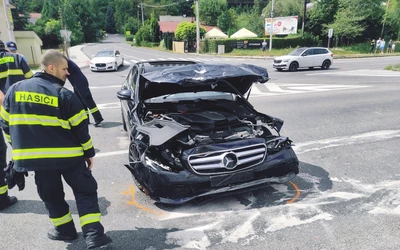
54, 234
98, 241
97, 122
8, 201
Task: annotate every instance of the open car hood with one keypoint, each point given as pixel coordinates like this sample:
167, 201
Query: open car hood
201, 77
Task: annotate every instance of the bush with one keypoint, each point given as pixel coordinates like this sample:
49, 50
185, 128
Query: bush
211, 46
129, 38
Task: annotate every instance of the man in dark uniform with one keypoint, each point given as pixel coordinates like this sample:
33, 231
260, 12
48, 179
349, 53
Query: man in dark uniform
48, 129
81, 88
12, 69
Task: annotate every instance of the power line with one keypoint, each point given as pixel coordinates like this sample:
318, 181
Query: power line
162, 6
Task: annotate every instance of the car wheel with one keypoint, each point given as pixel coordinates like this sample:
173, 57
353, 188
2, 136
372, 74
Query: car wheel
116, 66
123, 121
279, 69
310, 67
293, 66
326, 64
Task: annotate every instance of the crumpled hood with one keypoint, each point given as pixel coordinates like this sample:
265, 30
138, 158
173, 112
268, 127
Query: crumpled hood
102, 59
201, 77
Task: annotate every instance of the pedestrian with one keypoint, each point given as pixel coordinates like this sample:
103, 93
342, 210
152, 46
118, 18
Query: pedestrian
393, 48
264, 47
371, 50
389, 47
12, 47
81, 89
50, 135
378, 45
12, 70
382, 45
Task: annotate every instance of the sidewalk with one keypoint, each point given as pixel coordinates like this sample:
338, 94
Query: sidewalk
76, 54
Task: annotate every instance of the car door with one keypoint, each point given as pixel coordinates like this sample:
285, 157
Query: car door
306, 59
319, 56
118, 58
131, 105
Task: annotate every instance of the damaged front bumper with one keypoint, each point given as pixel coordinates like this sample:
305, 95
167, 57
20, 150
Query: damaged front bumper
183, 186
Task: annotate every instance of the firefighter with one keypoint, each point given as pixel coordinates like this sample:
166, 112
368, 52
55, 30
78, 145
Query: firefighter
81, 88
12, 69
48, 129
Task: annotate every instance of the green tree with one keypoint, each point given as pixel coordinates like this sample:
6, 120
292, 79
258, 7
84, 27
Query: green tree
123, 9
20, 14
392, 18
73, 24
51, 9
110, 21
155, 27
322, 13
210, 10
227, 21
187, 31
251, 21
35, 5
99, 9
132, 25
52, 30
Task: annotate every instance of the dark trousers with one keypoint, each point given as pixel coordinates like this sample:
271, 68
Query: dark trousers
3, 165
89, 104
84, 186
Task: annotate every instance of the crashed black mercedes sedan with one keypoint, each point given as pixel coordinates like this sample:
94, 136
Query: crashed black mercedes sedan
193, 133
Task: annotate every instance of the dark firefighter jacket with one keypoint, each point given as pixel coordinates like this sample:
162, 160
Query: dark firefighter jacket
45, 124
78, 80
12, 69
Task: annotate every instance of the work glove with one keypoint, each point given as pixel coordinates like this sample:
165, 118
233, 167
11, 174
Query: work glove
13, 177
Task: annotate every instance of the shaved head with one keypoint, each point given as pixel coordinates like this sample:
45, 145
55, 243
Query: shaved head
55, 63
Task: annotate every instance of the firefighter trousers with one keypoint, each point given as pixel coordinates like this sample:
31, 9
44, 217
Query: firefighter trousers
80, 179
3, 165
89, 105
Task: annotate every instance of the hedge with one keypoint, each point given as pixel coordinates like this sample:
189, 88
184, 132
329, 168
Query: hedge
211, 45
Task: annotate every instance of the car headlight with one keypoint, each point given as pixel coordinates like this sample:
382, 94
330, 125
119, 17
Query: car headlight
110, 62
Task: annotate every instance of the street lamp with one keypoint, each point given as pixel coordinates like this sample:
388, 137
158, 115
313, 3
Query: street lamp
197, 27
272, 26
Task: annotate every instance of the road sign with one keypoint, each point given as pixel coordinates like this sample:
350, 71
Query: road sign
66, 35
330, 33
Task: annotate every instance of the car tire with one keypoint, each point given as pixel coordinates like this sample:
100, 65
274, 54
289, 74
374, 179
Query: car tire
279, 70
123, 121
133, 158
293, 66
326, 64
116, 66
122, 64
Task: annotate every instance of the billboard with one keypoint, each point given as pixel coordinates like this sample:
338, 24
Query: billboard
281, 25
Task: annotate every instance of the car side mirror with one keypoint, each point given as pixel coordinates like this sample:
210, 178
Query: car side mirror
125, 94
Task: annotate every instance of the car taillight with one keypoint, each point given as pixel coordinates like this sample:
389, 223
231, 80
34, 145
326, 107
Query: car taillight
331, 55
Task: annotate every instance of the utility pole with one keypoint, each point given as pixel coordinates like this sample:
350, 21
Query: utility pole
65, 29
272, 26
142, 14
197, 28
304, 17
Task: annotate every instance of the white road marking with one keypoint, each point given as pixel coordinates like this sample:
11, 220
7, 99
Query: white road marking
369, 137
112, 105
120, 152
134, 61
361, 72
105, 87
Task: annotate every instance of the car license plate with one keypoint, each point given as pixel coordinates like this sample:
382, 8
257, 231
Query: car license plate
228, 179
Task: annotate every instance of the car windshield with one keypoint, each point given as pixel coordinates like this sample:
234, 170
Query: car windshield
192, 96
297, 52
105, 54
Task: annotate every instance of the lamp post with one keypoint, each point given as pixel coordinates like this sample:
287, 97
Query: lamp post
272, 26
197, 27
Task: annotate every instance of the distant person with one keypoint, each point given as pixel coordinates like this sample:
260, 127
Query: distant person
264, 47
371, 50
81, 89
12, 69
389, 46
393, 48
12, 47
378, 45
382, 45
48, 129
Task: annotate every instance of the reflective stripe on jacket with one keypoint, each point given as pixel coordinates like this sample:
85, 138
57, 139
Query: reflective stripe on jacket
13, 68
46, 125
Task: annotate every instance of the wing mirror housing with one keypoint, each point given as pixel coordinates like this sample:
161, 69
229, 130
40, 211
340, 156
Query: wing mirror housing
125, 94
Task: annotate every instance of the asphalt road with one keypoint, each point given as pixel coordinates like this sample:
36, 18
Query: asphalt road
345, 124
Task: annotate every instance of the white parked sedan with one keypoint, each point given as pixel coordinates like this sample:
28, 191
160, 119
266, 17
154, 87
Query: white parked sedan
305, 58
105, 60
